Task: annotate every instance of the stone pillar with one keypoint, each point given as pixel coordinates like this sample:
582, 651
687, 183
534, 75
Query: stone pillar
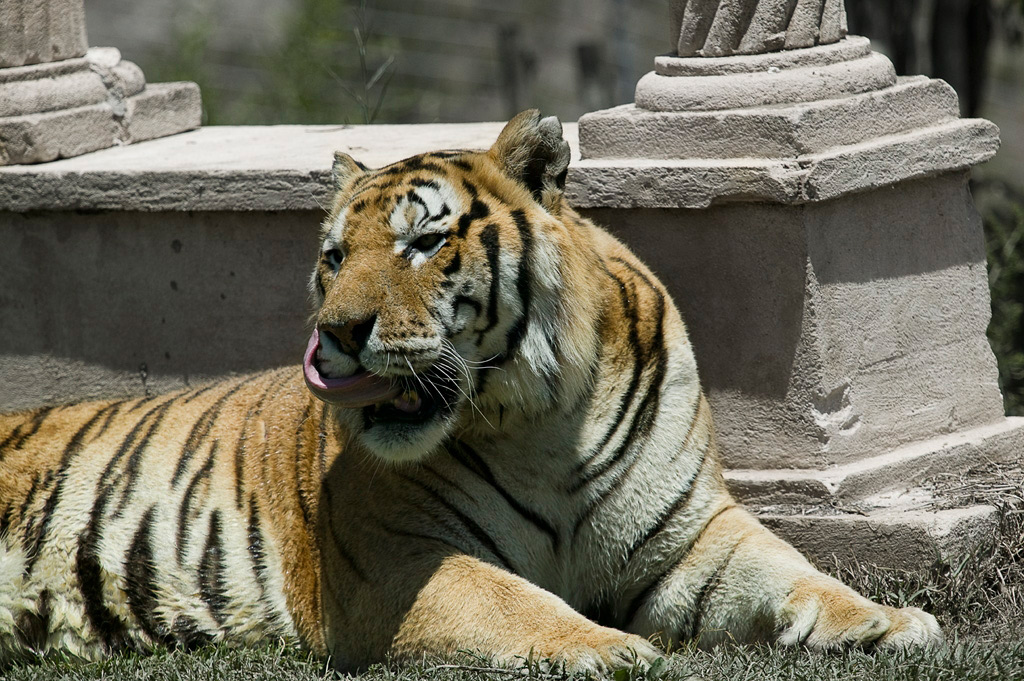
59, 99
809, 210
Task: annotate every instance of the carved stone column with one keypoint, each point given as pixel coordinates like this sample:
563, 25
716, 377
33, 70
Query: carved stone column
810, 212
59, 99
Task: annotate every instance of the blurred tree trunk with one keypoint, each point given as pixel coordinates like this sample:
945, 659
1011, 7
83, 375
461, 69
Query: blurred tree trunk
945, 39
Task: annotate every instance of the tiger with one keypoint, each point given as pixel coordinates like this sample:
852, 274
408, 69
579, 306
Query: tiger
497, 441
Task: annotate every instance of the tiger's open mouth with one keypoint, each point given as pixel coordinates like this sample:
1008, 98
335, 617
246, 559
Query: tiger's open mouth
397, 399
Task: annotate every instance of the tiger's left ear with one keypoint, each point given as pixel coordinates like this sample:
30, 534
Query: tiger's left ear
344, 169
531, 150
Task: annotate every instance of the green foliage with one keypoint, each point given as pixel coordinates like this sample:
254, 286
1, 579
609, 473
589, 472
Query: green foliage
1002, 207
331, 66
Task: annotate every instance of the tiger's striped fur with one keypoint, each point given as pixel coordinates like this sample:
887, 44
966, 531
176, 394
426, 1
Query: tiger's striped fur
566, 463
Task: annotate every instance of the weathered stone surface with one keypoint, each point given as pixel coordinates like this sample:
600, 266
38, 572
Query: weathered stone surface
148, 302
852, 47
830, 332
228, 168
35, 31
284, 168
768, 132
36, 138
954, 145
51, 89
801, 84
162, 109
50, 111
713, 28
901, 539
904, 467
804, 24
699, 183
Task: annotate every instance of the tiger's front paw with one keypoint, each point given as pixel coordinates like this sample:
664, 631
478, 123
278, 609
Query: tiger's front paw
604, 650
822, 613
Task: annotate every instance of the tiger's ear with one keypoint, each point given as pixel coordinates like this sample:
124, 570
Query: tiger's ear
531, 150
345, 168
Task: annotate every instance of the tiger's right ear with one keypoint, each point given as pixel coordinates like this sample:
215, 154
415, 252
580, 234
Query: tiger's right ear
345, 168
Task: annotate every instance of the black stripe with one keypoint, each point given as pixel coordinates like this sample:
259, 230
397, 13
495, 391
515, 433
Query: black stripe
16, 440
336, 540
106, 624
5, 520
300, 493
459, 163
405, 534
478, 532
202, 429
321, 447
524, 283
489, 240
665, 516
646, 412
141, 580
641, 598
466, 300
188, 633
198, 393
185, 513
131, 471
255, 536
29, 498
111, 415
477, 211
254, 412
211, 572
471, 460
73, 447
453, 265
706, 588
420, 182
470, 188
649, 408
29, 534
625, 398
412, 197
358, 206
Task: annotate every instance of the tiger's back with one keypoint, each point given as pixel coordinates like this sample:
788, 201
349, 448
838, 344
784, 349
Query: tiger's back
128, 524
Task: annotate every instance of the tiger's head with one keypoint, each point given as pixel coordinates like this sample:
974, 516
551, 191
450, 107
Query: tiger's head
453, 291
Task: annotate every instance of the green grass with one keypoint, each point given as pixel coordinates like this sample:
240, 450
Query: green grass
978, 599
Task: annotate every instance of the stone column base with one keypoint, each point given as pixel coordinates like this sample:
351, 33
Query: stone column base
67, 108
880, 510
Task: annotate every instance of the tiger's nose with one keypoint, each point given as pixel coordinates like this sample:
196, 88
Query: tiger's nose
351, 336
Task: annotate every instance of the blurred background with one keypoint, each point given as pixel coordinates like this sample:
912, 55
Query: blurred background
419, 61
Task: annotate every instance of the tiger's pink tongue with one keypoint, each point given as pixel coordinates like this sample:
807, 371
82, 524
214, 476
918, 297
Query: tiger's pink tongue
358, 390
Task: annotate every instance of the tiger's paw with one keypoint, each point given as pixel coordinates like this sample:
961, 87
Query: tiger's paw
606, 650
821, 613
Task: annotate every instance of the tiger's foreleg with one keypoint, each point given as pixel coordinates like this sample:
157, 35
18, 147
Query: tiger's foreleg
741, 583
470, 605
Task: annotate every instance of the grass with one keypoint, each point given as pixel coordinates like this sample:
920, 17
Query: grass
978, 599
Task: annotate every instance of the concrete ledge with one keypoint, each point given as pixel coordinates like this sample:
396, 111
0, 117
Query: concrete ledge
899, 469
286, 167
906, 540
245, 168
699, 183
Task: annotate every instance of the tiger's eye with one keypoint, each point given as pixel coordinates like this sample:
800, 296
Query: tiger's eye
333, 257
428, 241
